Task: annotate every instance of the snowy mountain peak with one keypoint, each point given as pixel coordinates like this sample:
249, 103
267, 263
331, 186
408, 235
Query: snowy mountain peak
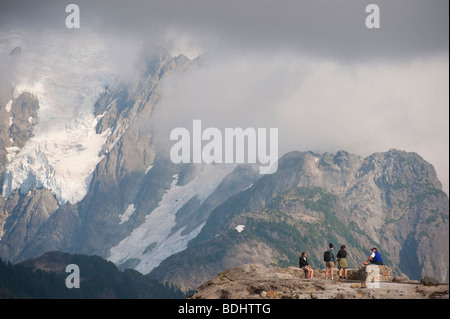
64, 147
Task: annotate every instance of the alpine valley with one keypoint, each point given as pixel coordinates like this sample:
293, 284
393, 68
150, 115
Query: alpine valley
82, 173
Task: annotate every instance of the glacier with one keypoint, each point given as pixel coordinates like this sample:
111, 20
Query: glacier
153, 241
67, 79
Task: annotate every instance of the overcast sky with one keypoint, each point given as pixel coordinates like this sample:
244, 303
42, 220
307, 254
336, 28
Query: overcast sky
311, 68
328, 28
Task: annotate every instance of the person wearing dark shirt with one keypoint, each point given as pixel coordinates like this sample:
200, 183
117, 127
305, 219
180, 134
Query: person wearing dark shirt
342, 262
303, 263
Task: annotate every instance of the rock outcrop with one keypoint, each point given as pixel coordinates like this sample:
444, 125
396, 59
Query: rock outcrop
256, 281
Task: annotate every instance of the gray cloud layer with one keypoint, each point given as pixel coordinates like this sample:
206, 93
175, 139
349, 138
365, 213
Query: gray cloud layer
324, 28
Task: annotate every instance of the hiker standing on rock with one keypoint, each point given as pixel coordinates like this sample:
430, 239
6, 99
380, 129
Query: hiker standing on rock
330, 261
342, 262
303, 264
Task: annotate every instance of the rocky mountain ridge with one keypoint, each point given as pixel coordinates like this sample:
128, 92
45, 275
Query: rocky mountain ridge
130, 185
389, 200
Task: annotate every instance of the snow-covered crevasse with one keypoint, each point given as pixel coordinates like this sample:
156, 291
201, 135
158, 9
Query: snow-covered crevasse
153, 241
67, 79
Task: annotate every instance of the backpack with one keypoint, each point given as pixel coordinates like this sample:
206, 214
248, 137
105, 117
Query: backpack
327, 256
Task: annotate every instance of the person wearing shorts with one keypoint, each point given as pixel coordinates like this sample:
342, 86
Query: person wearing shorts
330, 264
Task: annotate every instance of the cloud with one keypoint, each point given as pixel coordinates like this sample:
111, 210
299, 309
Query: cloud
370, 108
318, 105
326, 28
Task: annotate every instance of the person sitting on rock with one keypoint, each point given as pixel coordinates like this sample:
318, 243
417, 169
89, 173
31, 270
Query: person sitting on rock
303, 264
374, 258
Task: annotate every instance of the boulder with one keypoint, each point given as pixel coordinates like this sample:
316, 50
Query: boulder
401, 278
430, 281
372, 273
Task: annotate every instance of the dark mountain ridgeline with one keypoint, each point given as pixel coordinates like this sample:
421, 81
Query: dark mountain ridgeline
44, 278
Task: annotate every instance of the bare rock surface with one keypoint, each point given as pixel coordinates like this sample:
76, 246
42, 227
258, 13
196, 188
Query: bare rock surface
256, 281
